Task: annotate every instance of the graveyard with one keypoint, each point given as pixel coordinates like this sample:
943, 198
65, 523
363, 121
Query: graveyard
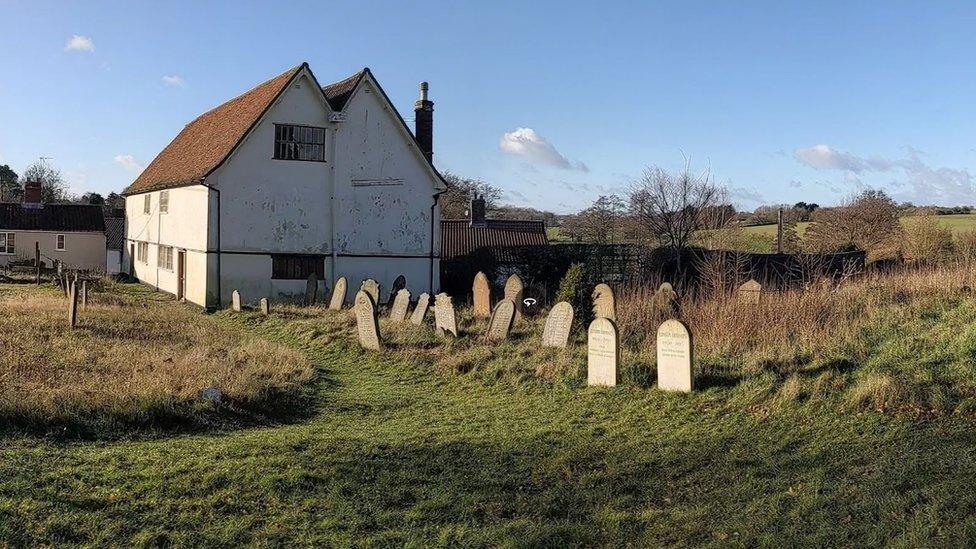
642, 415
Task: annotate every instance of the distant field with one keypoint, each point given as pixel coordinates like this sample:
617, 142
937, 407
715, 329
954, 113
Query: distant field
957, 223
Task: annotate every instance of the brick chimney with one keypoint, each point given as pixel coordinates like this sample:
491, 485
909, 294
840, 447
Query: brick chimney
478, 211
424, 123
32, 192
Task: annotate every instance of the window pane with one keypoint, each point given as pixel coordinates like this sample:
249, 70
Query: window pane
10, 243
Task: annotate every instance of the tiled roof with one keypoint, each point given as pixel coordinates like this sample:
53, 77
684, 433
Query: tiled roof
339, 92
207, 141
459, 238
52, 217
114, 232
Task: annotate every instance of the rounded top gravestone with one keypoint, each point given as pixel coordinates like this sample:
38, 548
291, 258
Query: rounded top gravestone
675, 355
501, 321
372, 288
515, 291
420, 310
398, 311
558, 325
399, 283
338, 294
367, 327
444, 317
481, 292
602, 353
604, 302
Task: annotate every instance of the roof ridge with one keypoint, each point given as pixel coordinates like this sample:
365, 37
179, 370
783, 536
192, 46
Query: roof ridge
293, 71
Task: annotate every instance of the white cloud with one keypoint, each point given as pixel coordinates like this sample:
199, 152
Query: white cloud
79, 43
174, 80
822, 157
128, 163
525, 142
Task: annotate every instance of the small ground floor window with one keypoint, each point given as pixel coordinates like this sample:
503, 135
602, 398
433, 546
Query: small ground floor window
165, 258
142, 252
59, 244
7, 243
296, 267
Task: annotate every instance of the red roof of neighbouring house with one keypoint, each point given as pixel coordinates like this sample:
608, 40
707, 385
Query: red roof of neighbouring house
459, 237
51, 217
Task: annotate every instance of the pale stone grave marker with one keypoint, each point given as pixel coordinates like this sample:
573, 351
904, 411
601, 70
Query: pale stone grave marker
398, 312
311, 289
604, 302
444, 317
674, 357
558, 324
338, 295
420, 311
481, 289
515, 291
265, 306
501, 321
749, 292
399, 283
665, 299
367, 327
602, 353
372, 288
235, 301
84, 294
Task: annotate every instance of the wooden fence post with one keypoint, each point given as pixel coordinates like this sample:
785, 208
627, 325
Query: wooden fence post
37, 261
73, 305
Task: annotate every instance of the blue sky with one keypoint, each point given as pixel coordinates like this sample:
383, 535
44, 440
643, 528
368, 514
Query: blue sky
554, 102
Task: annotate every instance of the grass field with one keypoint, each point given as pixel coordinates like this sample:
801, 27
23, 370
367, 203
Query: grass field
437, 443
957, 223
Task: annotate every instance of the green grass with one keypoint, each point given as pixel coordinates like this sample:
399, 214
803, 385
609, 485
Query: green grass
399, 453
957, 223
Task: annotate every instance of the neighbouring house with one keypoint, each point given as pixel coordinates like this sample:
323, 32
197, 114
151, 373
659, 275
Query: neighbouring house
289, 179
73, 234
114, 243
462, 237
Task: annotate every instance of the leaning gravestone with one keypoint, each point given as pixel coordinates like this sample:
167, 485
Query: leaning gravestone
750, 292
372, 288
602, 353
674, 357
338, 295
367, 327
398, 312
604, 303
235, 301
311, 289
444, 317
515, 291
501, 321
399, 283
481, 290
420, 311
558, 324
265, 306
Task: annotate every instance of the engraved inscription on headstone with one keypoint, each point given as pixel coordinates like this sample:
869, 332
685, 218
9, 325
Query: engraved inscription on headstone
367, 327
515, 291
558, 324
338, 295
235, 301
675, 356
398, 312
372, 288
481, 290
604, 303
602, 353
444, 317
749, 292
311, 289
501, 321
420, 311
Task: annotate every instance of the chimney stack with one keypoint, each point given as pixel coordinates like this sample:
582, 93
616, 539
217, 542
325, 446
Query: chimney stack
424, 123
478, 211
32, 192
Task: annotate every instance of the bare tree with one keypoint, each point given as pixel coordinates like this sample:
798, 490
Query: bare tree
53, 187
868, 222
460, 190
598, 224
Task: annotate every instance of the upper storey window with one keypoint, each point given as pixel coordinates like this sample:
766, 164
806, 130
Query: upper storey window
293, 142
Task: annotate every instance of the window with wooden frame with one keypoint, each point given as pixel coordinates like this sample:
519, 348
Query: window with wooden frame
296, 267
142, 252
294, 142
146, 203
164, 258
7, 241
164, 202
59, 243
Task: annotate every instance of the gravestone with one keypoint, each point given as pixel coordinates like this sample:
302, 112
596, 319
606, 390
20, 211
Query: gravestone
602, 353
398, 312
367, 328
501, 321
481, 290
665, 299
398, 284
420, 311
84, 294
515, 291
749, 292
338, 295
444, 317
235, 301
73, 305
558, 324
604, 302
311, 289
674, 357
372, 288
265, 306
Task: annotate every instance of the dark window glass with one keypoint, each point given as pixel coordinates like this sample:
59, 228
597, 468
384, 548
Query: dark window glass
296, 267
294, 142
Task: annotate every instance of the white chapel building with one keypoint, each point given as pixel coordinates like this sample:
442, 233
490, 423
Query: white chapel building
288, 179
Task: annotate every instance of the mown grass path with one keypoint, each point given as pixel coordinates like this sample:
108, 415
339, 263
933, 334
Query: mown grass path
406, 456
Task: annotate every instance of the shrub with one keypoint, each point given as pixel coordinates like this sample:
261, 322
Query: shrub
965, 245
925, 241
573, 288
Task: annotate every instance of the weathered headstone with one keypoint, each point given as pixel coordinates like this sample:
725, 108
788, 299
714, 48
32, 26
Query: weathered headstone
501, 321
515, 291
367, 327
73, 305
749, 292
338, 295
604, 302
399, 283
372, 288
84, 294
558, 324
444, 318
420, 311
665, 299
235, 301
675, 356
481, 290
265, 306
311, 289
398, 312
602, 353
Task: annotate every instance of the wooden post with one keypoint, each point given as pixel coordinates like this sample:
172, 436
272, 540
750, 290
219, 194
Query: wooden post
73, 305
37, 261
779, 233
